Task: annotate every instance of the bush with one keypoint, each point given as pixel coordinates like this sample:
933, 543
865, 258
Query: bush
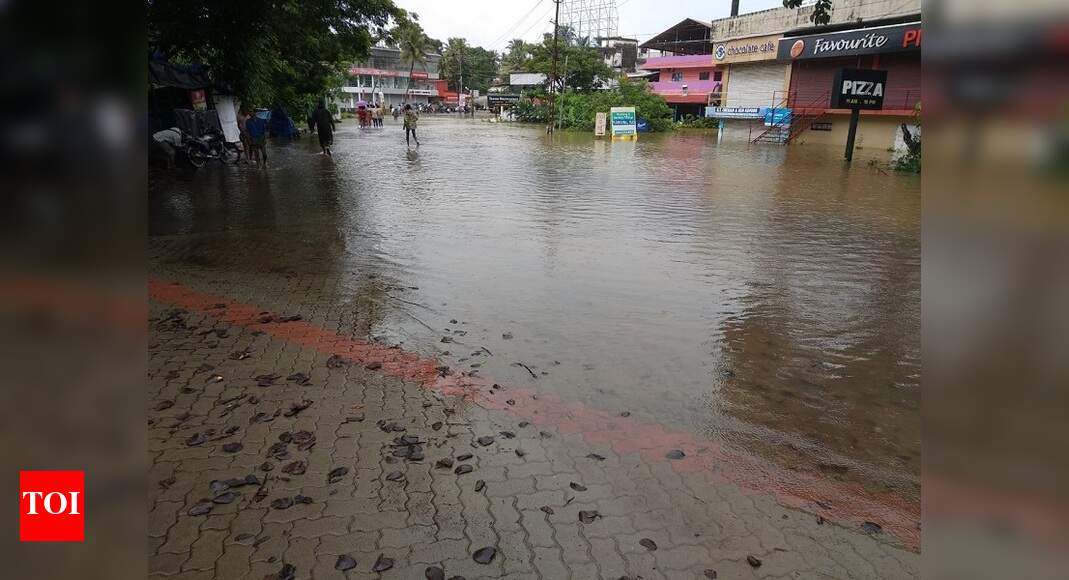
578, 110
692, 122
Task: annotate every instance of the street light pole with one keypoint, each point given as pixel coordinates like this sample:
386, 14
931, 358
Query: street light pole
553, 76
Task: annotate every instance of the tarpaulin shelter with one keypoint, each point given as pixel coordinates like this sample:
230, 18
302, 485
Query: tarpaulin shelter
281, 125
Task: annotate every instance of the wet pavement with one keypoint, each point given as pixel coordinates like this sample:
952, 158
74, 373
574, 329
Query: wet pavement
756, 309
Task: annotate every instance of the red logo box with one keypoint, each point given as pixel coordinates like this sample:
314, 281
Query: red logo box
51, 506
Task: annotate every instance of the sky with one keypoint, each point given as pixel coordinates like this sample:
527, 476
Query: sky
492, 23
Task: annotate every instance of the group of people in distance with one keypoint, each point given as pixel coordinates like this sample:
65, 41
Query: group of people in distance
253, 131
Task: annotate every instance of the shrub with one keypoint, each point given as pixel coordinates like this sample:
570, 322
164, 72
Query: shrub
578, 110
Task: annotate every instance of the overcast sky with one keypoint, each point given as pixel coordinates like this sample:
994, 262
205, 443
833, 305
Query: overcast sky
492, 23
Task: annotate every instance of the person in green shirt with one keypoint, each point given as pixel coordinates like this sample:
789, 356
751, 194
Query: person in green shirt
411, 119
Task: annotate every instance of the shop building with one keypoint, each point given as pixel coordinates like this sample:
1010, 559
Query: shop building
815, 55
384, 78
756, 89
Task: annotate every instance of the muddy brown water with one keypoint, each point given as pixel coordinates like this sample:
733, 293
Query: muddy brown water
764, 297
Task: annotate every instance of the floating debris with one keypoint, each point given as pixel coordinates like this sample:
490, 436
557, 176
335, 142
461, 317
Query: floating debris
710, 574
507, 434
200, 508
545, 434
240, 355
446, 463
243, 537
437, 425
520, 453
166, 483
479, 485
302, 499
196, 439
217, 486
547, 509
336, 362
382, 564
164, 405
225, 498
576, 486
464, 457
373, 366
648, 544
588, 516
485, 440
298, 467
395, 476
596, 457
434, 573
336, 474
299, 378
345, 563
462, 469
675, 454
266, 380
296, 408
232, 447
753, 561
267, 466
625, 414
524, 423
282, 503
506, 336
871, 527
484, 555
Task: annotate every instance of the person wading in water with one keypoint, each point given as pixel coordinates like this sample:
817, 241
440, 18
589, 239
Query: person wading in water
411, 119
324, 123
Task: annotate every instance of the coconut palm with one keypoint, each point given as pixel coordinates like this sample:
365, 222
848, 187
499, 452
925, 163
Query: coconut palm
413, 44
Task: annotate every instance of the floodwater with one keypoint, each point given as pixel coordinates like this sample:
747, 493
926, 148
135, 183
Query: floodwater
764, 297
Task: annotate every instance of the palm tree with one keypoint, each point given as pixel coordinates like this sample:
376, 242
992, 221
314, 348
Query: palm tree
413, 44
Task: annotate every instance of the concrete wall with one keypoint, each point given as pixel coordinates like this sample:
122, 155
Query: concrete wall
778, 20
875, 133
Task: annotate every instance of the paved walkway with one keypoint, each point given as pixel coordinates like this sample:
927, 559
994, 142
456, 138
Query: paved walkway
328, 452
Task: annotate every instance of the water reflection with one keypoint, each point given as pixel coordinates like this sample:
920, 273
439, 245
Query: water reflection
766, 296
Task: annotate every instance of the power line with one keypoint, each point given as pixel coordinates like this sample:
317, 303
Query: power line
516, 25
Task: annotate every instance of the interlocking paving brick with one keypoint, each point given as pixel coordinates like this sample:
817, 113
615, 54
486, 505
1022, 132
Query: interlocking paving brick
433, 516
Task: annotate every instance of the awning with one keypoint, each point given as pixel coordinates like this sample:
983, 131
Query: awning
164, 74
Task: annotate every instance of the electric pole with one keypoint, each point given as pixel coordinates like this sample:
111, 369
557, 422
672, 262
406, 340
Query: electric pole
553, 76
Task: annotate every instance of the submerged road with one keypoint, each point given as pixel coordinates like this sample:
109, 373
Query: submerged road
754, 309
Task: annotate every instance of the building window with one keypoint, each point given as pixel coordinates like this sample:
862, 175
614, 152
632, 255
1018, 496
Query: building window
703, 76
677, 77
718, 75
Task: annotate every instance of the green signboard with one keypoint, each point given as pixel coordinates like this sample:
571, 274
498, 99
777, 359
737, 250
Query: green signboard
622, 123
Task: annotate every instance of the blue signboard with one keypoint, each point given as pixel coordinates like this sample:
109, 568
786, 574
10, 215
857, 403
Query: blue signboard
776, 116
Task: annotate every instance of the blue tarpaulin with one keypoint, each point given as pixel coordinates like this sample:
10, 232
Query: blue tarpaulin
281, 125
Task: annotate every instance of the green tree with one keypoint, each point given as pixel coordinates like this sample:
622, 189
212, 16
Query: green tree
821, 10
515, 57
268, 51
579, 66
414, 45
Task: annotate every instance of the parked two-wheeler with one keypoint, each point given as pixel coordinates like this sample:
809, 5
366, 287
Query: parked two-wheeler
211, 145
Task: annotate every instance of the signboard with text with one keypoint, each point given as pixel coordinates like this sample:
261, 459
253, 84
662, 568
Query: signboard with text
622, 122
599, 124
880, 40
859, 89
733, 112
746, 49
501, 99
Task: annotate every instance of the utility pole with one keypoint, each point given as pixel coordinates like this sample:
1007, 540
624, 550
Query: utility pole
553, 76
460, 89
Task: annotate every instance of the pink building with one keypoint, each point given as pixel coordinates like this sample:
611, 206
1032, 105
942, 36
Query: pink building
687, 79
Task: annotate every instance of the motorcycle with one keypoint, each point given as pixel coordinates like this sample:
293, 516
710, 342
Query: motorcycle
211, 145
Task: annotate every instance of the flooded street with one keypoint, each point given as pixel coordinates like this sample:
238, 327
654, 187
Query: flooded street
763, 298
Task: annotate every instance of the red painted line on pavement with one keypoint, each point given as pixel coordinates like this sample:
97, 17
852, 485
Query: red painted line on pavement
847, 503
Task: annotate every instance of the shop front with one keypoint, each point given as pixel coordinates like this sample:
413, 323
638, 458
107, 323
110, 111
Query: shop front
753, 84
814, 61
